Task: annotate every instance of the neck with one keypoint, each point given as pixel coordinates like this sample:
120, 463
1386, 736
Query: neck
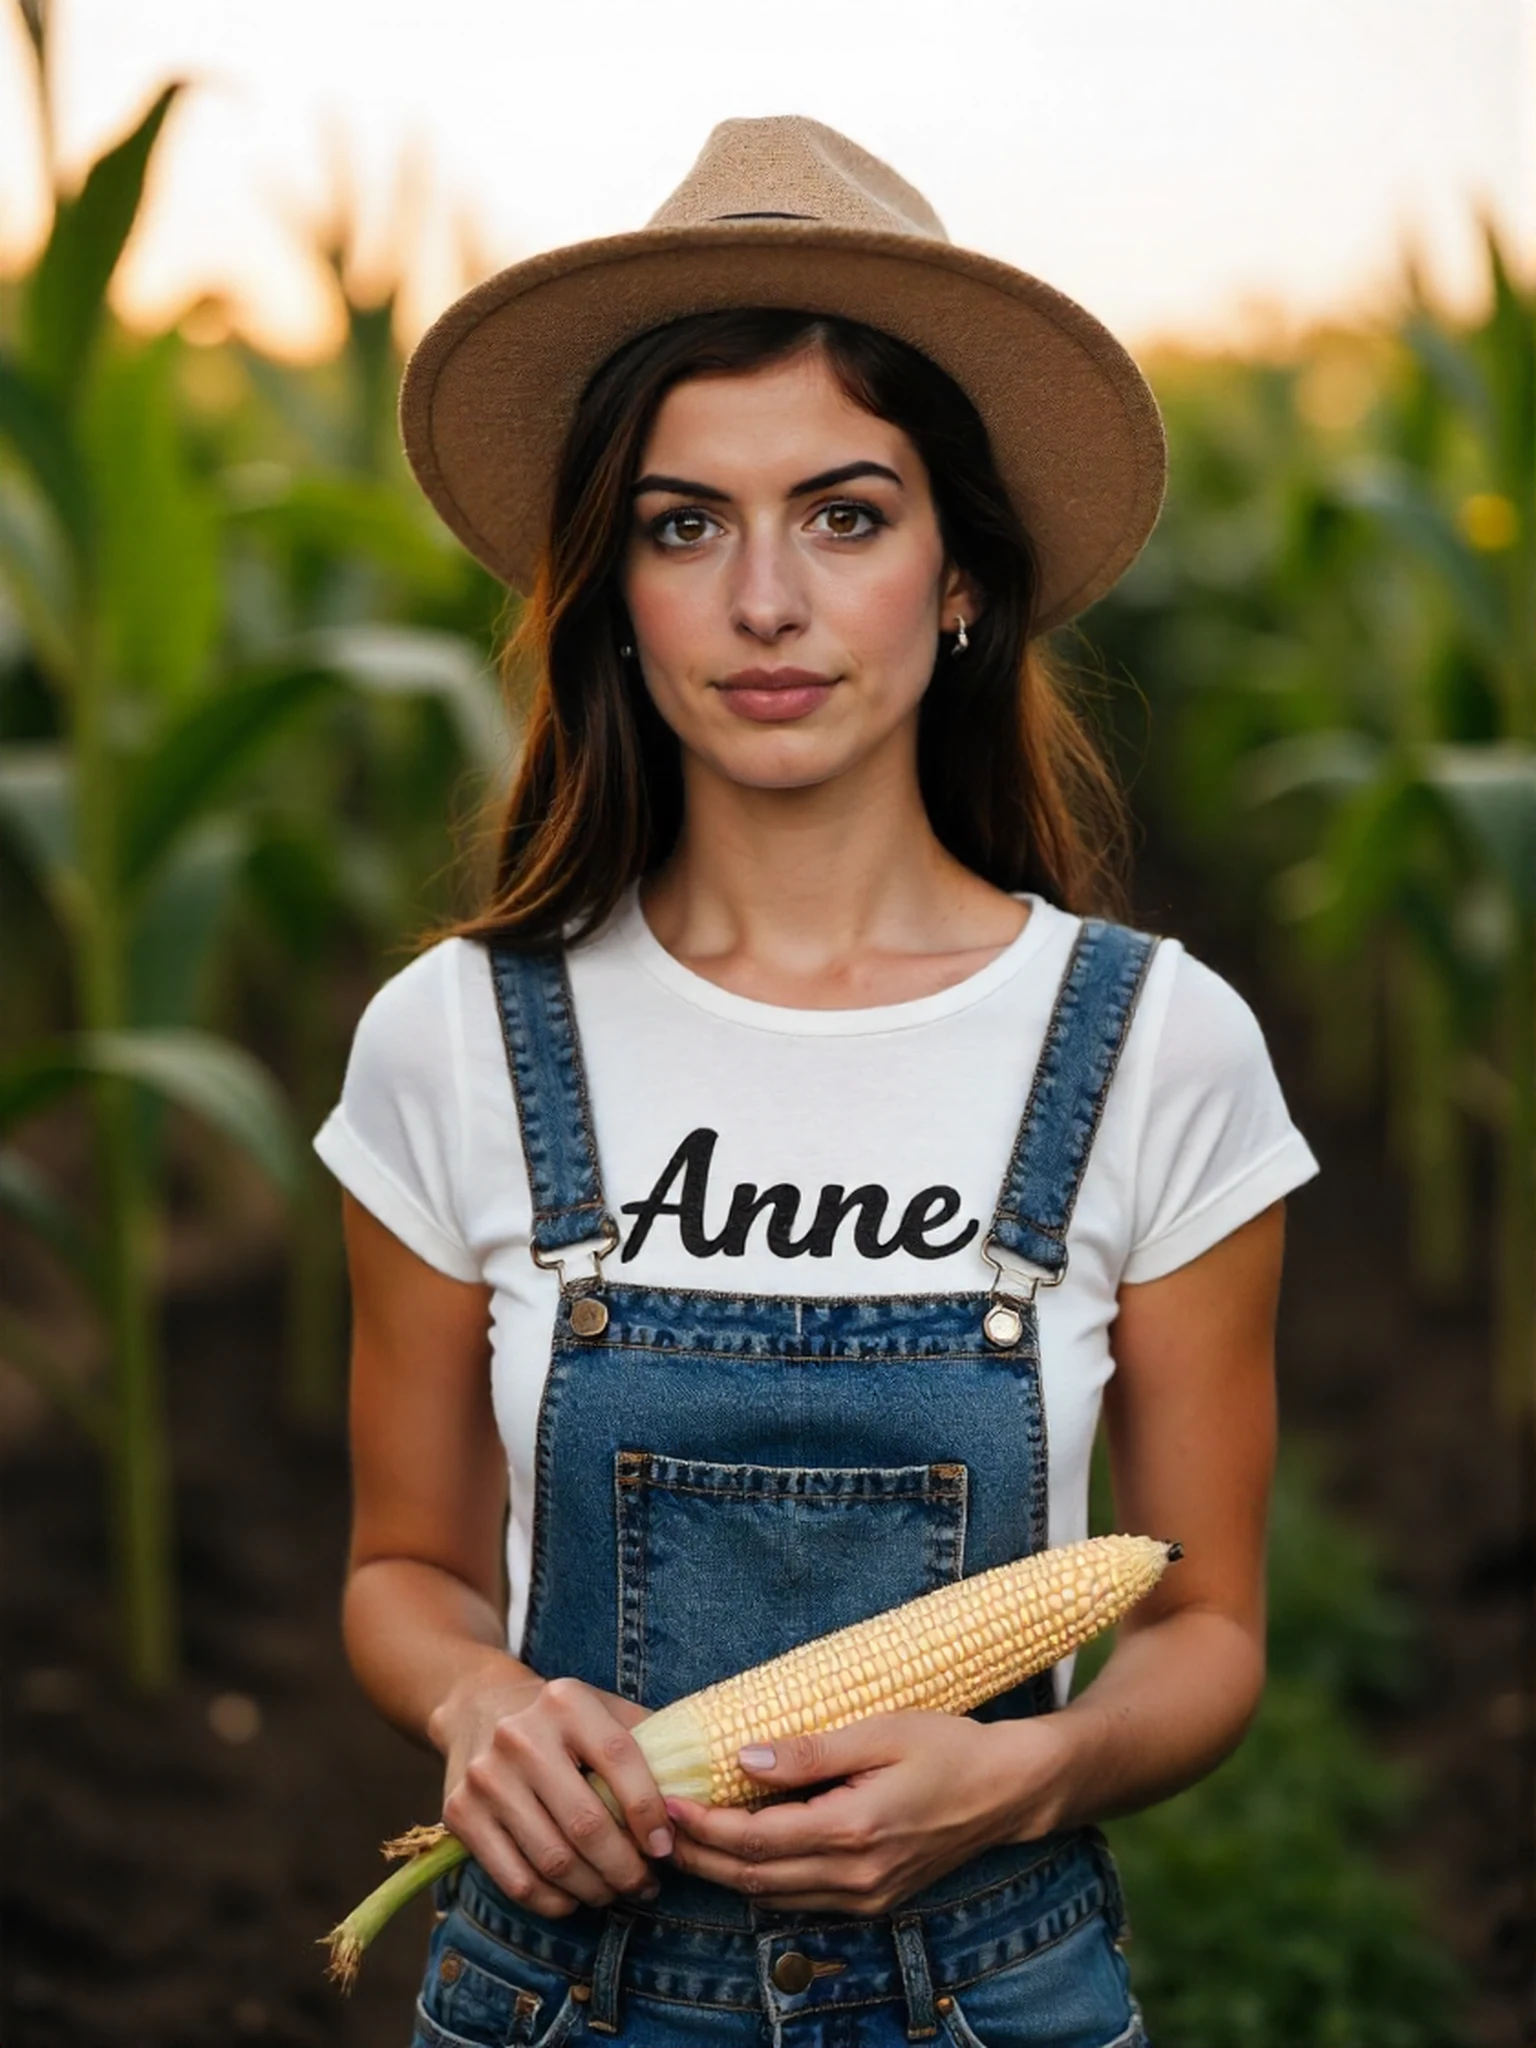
805, 884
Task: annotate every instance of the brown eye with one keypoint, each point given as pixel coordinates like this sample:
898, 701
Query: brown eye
849, 521
682, 529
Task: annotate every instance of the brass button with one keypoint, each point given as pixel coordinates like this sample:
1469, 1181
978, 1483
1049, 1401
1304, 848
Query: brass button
793, 1972
1003, 1325
589, 1316
451, 1968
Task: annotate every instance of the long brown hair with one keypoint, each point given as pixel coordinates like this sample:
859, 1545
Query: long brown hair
1013, 783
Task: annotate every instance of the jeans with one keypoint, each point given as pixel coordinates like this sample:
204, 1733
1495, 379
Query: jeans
1031, 1962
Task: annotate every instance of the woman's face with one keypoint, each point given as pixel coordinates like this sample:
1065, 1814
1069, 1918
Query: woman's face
785, 576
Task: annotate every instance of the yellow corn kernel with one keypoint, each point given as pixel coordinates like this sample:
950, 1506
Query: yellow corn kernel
945, 1652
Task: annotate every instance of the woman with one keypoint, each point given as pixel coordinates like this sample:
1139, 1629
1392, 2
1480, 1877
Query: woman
701, 1189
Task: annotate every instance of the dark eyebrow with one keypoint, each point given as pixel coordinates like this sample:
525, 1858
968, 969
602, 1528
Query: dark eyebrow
824, 482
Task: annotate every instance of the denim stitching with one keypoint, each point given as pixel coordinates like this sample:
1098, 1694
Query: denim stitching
538, 1023
1055, 1138
538, 1561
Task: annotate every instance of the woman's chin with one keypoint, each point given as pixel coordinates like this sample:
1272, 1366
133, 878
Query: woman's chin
782, 758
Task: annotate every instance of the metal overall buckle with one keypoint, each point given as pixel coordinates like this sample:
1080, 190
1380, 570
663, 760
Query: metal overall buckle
588, 1312
1011, 1294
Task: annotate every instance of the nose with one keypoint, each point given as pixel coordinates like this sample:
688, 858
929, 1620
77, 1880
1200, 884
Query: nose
769, 601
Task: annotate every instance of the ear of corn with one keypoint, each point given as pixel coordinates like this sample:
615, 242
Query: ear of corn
946, 1652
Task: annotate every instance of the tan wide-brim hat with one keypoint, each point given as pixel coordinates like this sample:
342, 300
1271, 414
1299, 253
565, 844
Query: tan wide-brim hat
786, 212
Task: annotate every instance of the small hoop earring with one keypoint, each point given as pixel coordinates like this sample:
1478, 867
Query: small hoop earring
962, 638
627, 651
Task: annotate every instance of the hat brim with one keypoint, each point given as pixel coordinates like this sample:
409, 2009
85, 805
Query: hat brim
490, 392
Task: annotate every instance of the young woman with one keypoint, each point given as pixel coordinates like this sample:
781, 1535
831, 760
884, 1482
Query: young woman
748, 1211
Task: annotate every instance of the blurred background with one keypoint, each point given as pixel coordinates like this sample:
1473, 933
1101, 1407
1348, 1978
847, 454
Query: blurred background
248, 731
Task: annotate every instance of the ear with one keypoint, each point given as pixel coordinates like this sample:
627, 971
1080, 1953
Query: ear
958, 597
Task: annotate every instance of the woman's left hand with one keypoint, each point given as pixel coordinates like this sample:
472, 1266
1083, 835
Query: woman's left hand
917, 1795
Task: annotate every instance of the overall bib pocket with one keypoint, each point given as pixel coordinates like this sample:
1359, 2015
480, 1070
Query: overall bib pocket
722, 1566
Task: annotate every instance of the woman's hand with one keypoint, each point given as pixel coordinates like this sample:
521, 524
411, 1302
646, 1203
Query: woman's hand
918, 1795
516, 1748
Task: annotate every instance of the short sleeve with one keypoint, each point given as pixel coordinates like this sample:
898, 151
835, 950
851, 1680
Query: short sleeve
1218, 1144
394, 1140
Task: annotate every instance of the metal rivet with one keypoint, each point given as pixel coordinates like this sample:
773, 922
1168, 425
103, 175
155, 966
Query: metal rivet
1003, 1324
793, 1972
943, 2005
589, 1316
581, 1993
451, 1968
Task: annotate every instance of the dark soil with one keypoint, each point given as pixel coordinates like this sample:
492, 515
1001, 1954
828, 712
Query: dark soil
164, 1886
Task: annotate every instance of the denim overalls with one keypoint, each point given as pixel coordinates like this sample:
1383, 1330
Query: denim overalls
719, 1478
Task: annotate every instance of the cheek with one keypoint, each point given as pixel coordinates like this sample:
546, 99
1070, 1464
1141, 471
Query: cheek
885, 618
672, 615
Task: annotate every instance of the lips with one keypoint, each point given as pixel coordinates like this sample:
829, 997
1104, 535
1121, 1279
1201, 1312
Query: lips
775, 695
773, 679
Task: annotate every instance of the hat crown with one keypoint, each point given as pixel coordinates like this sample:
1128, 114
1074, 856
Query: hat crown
787, 167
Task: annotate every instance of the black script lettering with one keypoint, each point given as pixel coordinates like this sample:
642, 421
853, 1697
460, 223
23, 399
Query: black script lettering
682, 1190
871, 1202
691, 1160
747, 1205
931, 1210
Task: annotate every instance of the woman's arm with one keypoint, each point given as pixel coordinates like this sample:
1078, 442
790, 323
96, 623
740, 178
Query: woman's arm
1190, 1415
422, 1611
1191, 1420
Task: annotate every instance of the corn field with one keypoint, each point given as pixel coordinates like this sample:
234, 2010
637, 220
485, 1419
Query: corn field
247, 718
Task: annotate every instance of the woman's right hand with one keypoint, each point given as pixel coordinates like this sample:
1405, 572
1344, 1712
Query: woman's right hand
516, 1747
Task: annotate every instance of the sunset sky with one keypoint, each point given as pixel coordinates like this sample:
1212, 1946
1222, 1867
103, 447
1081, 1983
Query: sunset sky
1212, 169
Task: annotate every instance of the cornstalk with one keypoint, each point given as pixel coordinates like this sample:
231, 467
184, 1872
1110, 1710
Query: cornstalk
137, 1452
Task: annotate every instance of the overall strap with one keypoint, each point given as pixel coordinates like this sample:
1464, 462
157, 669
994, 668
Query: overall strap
1083, 1042
538, 1023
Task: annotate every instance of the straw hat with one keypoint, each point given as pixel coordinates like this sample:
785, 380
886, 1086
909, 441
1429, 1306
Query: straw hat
786, 212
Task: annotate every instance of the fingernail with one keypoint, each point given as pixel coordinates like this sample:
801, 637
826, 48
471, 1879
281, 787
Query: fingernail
661, 1841
674, 1807
758, 1756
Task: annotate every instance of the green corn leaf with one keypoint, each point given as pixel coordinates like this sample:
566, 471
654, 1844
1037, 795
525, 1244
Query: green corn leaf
27, 1194
303, 890
158, 582
68, 289
178, 920
1413, 519
37, 814
203, 753
216, 1080
322, 515
411, 661
1509, 349
1328, 763
1379, 843
1450, 366
1491, 792
35, 426
38, 581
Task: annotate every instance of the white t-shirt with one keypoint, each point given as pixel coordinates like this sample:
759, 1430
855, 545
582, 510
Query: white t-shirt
912, 1097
